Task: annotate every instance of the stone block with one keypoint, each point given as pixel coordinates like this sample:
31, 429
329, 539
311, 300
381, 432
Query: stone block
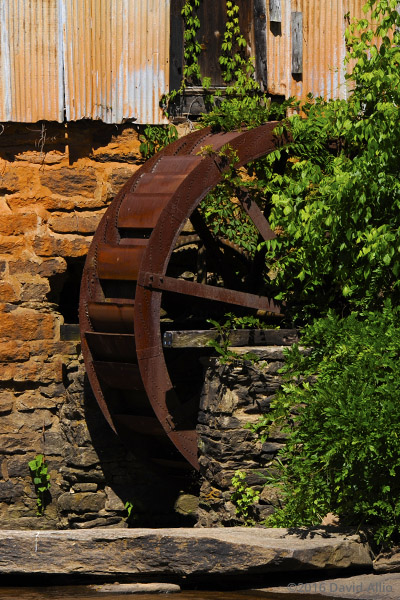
52, 157
78, 433
6, 403
9, 183
38, 420
9, 244
123, 150
54, 390
229, 422
33, 370
52, 266
11, 423
18, 224
35, 289
54, 443
271, 447
17, 466
65, 246
82, 502
86, 487
388, 561
81, 457
53, 348
25, 441
274, 367
263, 512
8, 292
10, 491
236, 438
113, 502
16, 267
101, 522
14, 351
33, 400
226, 403
78, 222
186, 504
73, 476
27, 324
270, 495
66, 181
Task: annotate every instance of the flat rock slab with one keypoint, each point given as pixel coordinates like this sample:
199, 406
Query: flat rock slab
358, 587
179, 552
388, 562
138, 588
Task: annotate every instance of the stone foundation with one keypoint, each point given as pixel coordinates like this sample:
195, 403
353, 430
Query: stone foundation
234, 395
56, 182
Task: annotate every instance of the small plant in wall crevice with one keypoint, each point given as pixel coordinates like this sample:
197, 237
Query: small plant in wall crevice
244, 497
41, 481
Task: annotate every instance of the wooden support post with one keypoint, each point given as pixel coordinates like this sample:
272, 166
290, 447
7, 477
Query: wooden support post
176, 45
275, 11
260, 38
297, 43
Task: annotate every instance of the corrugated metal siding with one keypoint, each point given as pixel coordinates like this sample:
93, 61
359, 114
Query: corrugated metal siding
114, 53
31, 73
324, 49
116, 59
109, 59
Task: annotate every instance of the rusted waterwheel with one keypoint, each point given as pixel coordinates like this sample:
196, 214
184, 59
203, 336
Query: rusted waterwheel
144, 269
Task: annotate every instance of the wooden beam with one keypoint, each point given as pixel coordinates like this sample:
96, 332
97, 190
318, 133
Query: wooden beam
176, 45
275, 11
260, 39
297, 43
70, 333
237, 338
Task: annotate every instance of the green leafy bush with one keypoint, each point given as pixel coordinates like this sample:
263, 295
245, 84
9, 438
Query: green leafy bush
340, 407
332, 194
155, 138
337, 204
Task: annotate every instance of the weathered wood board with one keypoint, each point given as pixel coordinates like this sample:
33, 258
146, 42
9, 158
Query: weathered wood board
260, 38
297, 43
237, 338
275, 11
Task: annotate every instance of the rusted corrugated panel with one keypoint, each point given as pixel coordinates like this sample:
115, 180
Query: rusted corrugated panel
31, 69
116, 59
324, 25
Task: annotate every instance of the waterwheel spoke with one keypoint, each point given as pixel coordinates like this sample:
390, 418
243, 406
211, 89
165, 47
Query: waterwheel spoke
164, 283
251, 208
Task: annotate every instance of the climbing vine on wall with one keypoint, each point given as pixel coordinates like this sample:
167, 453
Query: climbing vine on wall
237, 70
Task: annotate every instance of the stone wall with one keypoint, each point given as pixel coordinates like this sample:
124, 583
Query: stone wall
234, 395
56, 182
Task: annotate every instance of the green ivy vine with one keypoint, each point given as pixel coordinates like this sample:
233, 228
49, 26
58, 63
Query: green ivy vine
237, 70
